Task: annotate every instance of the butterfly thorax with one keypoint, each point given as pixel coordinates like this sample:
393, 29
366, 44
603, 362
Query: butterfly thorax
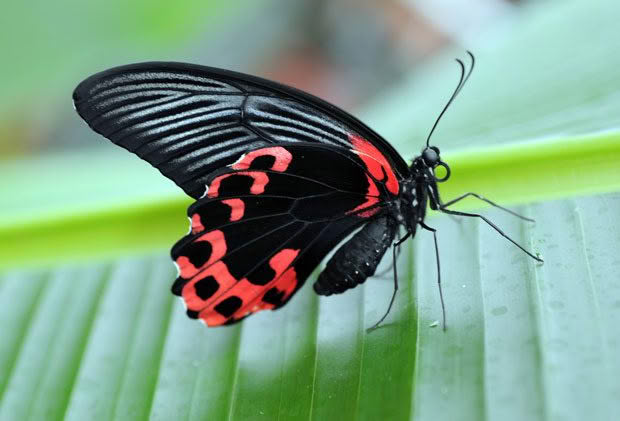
417, 187
414, 196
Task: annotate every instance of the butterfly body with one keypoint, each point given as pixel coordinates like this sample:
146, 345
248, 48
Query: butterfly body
279, 176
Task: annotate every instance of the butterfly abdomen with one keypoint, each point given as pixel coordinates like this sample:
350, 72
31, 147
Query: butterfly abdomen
358, 258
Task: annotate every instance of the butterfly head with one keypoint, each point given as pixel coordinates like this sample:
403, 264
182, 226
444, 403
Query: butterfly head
428, 161
430, 156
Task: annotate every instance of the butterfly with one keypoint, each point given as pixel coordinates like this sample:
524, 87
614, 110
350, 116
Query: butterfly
279, 179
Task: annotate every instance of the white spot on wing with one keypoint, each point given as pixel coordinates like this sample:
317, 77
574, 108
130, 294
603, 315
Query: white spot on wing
188, 232
241, 158
206, 191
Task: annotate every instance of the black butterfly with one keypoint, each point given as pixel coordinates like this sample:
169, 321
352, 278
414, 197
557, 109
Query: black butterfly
280, 177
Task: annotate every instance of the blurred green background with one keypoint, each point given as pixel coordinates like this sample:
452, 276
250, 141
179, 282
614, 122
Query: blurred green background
89, 330
344, 51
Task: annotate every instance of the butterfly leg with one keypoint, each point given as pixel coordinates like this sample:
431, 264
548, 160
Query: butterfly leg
443, 306
389, 268
391, 265
395, 247
484, 199
437, 204
495, 227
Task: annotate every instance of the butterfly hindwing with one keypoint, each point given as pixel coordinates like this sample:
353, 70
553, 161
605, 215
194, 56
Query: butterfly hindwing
260, 270
189, 120
265, 223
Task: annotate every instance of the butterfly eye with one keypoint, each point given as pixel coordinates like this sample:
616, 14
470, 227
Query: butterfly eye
435, 148
430, 156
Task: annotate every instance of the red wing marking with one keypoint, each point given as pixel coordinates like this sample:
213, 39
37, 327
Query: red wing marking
282, 260
368, 213
250, 294
258, 186
212, 318
371, 199
282, 158
285, 283
218, 250
237, 208
219, 271
197, 224
375, 162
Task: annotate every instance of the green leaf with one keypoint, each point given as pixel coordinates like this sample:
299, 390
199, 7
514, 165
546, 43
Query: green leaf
523, 342
105, 339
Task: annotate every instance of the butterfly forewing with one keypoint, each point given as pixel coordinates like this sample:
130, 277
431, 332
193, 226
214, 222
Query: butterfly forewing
189, 120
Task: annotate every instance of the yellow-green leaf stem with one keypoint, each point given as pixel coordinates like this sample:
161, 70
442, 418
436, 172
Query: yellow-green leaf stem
508, 174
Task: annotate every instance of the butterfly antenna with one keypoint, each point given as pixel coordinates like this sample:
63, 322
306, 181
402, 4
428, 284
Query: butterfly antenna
462, 80
471, 69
